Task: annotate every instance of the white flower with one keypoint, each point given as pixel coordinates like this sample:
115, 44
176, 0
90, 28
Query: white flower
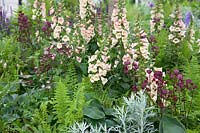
78, 59
61, 20
56, 35
59, 45
94, 78
116, 63
104, 80
92, 68
172, 28
58, 29
37, 33
34, 17
68, 30
177, 29
65, 38
5, 65
170, 36
54, 19
102, 72
182, 33
176, 40
92, 58
172, 15
51, 11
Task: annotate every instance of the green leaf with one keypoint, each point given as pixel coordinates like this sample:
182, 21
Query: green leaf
171, 125
109, 112
125, 85
83, 67
93, 112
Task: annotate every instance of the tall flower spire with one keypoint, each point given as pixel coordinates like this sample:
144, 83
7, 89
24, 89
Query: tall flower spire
177, 29
86, 12
157, 18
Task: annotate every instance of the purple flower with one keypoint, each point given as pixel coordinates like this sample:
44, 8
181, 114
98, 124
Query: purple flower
151, 4
126, 69
164, 92
144, 84
149, 71
134, 88
176, 71
175, 98
158, 75
188, 17
135, 66
188, 81
180, 76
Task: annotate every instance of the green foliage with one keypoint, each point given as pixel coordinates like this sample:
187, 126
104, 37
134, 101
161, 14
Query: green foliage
171, 125
9, 59
133, 117
41, 116
61, 101
191, 71
69, 99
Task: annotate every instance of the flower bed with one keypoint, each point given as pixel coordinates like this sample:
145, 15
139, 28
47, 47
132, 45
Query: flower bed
74, 67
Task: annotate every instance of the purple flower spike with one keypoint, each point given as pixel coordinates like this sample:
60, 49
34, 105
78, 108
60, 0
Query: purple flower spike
188, 17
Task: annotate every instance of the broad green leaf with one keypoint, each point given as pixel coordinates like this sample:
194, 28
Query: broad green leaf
93, 112
171, 125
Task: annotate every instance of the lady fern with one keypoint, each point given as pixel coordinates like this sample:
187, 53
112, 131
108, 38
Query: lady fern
61, 101
41, 116
69, 99
192, 70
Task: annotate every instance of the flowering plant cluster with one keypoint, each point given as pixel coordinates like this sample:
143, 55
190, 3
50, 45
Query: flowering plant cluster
24, 27
82, 64
39, 10
99, 64
87, 13
157, 18
177, 30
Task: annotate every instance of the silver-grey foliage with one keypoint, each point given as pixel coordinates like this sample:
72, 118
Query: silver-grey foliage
133, 117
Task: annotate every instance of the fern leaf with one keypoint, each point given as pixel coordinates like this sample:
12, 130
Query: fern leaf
61, 101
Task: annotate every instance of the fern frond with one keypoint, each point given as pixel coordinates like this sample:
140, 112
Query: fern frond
75, 110
61, 101
41, 116
71, 79
192, 70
